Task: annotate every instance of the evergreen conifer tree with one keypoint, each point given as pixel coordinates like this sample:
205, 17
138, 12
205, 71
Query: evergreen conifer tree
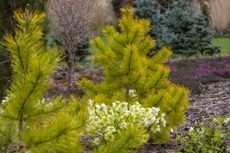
177, 26
29, 123
127, 69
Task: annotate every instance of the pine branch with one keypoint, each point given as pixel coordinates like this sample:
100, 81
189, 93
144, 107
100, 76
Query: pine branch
129, 62
19, 54
135, 35
56, 137
29, 94
119, 42
158, 80
159, 101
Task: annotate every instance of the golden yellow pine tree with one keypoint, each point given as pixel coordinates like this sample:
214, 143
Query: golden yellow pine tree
127, 68
27, 122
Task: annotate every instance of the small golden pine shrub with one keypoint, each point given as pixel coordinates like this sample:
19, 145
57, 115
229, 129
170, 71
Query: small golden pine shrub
27, 122
127, 68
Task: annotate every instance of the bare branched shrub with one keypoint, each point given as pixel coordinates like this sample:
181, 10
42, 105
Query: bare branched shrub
72, 23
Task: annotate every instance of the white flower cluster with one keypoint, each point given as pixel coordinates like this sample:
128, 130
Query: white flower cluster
105, 121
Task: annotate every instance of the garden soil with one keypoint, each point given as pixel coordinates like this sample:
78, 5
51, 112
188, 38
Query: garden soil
212, 101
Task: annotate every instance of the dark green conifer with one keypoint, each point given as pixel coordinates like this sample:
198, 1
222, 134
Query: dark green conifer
178, 26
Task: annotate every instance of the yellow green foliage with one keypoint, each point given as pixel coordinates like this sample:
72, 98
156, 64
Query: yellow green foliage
126, 141
29, 123
122, 54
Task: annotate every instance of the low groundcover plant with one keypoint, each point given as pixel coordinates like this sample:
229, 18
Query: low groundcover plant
106, 121
204, 139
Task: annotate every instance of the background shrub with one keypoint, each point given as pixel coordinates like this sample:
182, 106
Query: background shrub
73, 22
177, 26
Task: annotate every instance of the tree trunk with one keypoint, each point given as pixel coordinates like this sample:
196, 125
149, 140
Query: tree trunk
71, 65
20, 129
127, 93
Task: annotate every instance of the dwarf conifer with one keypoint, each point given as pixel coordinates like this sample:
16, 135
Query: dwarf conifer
178, 26
29, 123
127, 69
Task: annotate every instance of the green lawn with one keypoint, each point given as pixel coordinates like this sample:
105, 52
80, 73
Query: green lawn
224, 43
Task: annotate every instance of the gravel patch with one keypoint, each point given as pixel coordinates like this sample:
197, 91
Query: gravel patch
213, 100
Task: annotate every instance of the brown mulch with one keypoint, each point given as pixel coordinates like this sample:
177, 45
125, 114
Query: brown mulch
213, 100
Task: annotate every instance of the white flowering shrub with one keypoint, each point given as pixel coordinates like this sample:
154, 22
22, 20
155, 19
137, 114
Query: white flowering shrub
106, 121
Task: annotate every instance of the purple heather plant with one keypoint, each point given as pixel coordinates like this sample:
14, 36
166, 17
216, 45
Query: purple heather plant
204, 70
